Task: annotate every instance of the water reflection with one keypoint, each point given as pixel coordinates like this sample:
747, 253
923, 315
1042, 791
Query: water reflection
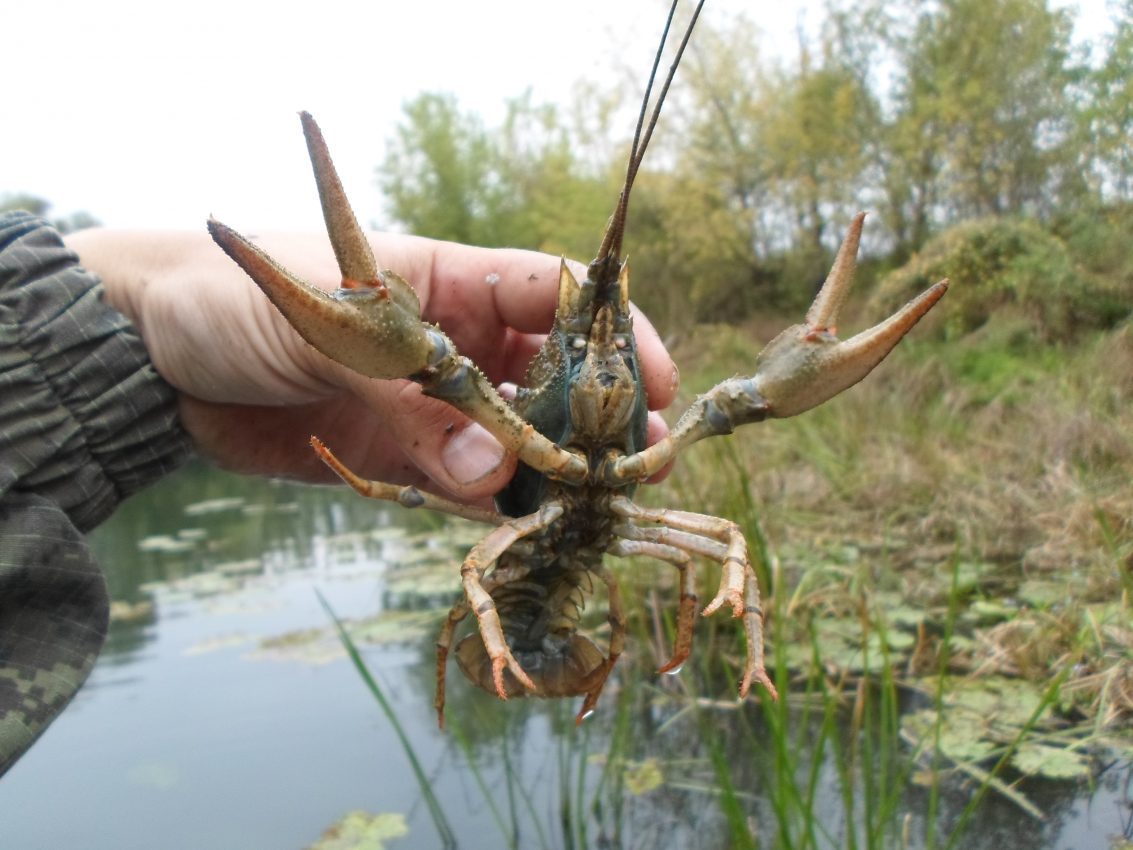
225, 715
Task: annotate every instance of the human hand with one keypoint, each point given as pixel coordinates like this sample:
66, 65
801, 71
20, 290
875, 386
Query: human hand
252, 392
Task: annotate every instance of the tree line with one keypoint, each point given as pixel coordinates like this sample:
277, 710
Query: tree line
927, 113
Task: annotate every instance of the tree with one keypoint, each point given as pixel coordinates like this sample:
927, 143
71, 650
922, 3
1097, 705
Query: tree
1108, 120
40, 207
520, 184
981, 116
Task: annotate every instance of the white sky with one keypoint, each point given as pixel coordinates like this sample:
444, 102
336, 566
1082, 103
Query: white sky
150, 114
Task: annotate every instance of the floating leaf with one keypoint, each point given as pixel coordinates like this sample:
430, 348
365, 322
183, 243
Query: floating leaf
1036, 759
303, 646
207, 584
970, 575
126, 612
644, 776
1004, 701
394, 627
896, 641
987, 611
263, 510
217, 642
962, 736
1039, 593
245, 567
904, 615
165, 543
362, 831
214, 506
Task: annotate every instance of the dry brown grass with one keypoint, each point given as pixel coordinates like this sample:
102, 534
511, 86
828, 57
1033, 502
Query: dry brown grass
1018, 460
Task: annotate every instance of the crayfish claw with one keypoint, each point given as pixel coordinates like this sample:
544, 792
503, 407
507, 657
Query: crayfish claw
373, 323
823, 313
807, 364
351, 247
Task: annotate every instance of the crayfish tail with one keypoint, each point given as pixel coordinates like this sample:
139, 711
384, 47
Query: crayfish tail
562, 671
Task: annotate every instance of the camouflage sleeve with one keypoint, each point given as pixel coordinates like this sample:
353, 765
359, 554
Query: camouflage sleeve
85, 421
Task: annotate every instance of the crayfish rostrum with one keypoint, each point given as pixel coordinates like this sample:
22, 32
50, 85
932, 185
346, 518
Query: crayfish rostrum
578, 429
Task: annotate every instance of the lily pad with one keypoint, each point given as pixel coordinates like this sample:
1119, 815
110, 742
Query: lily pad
217, 642
131, 612
962, 736
214, 506
165, 543
1039, 593
986, 612
244, 567
314, 647
362, 831
394, 627
644, 776
1036, 759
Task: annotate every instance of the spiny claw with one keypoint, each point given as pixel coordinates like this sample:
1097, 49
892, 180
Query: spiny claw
807, 364
373, 323
351, 248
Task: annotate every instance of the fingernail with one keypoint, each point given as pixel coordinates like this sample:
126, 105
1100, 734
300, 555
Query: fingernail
675, 379
471, 454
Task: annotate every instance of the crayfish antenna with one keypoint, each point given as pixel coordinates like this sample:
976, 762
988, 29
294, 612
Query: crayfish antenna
611, 246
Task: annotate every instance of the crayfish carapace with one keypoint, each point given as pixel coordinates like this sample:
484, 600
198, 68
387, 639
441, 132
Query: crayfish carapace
578, 428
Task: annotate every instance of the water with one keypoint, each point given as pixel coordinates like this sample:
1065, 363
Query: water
201, 728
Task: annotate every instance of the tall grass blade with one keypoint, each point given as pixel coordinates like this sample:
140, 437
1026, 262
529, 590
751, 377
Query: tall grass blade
444, 828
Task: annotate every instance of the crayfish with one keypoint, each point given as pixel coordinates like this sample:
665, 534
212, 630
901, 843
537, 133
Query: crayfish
578, 428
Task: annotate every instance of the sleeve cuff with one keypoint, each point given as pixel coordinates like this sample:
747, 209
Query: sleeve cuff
86, 419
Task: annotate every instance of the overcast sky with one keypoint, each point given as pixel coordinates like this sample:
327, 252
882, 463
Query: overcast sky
157, 114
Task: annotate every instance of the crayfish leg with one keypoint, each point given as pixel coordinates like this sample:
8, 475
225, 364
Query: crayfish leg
720, 538
617, 620
686, 608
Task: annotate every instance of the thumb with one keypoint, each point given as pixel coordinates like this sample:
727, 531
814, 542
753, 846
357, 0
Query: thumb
457, 454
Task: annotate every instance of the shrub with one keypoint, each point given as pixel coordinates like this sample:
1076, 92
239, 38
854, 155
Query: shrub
1006, 269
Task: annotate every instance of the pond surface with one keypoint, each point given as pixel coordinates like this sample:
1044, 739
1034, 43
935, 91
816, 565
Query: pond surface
224, 713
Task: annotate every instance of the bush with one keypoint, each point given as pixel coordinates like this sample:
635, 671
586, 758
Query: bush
1010, 270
